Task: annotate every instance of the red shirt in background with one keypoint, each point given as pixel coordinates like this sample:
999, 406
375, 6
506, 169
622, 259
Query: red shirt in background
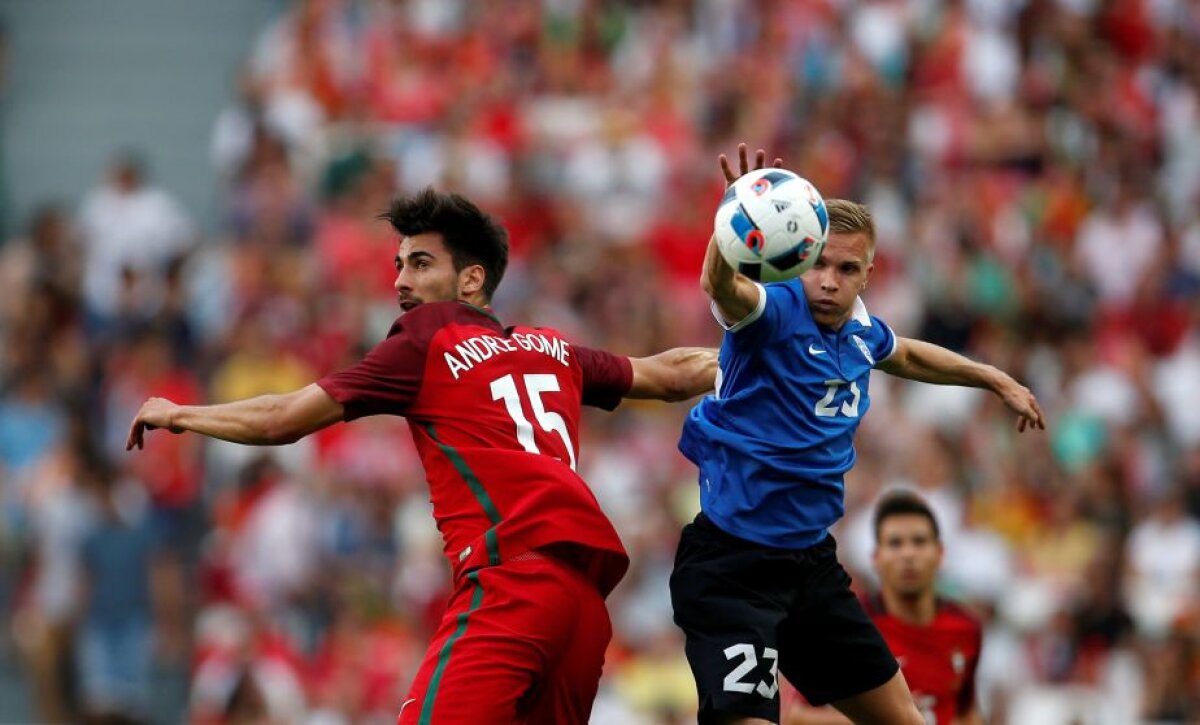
938, 660
170, 466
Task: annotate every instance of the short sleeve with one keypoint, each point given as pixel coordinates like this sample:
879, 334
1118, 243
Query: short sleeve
882, 340
388, 379
607, 378
751, 316
777, 305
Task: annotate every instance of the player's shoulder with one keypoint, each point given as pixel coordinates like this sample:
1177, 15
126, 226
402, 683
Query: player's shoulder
426, 319
534, 330
789, 303
953, 615
790, 290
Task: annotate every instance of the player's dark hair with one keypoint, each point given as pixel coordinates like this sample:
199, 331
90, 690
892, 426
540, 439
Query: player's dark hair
903, 503
471, 236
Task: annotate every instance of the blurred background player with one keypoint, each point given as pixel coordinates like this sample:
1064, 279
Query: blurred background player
936, 641
757, 587
524, 634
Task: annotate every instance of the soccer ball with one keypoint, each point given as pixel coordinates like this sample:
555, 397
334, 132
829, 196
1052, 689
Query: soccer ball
771, 225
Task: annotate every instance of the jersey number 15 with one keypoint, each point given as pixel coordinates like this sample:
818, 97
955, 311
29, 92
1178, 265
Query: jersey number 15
505, 389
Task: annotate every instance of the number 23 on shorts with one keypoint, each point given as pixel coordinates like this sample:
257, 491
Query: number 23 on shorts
734, 681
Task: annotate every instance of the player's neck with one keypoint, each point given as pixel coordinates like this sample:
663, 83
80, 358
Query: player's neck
476, 301
835, 326
918, 609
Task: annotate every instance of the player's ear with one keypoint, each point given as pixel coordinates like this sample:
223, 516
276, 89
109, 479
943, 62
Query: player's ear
471, 279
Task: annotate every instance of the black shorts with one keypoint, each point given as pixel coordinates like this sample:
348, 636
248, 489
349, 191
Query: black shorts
750, 612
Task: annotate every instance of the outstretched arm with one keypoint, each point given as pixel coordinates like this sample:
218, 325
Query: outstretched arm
676, 374
263, 421
929, 363
736, 294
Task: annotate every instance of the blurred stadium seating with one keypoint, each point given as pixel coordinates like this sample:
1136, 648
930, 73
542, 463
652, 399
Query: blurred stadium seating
1034, 169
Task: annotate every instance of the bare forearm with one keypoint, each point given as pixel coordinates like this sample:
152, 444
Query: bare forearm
696, 367
254, 421
928, 363
718, 277
676, 374
736, 296
262, 421
917, 360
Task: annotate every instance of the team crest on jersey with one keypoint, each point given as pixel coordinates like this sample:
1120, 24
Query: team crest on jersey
862, 347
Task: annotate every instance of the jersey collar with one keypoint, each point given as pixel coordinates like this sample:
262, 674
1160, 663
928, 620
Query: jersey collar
485, 311
858, 313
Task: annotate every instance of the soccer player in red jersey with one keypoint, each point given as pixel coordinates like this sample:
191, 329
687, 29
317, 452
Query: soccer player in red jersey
494, 411
936, 642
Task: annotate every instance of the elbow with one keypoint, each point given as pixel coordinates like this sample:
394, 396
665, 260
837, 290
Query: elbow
280, 426
284, 436
277, 434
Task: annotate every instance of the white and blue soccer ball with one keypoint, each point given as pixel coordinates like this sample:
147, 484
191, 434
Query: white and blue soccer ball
771, 225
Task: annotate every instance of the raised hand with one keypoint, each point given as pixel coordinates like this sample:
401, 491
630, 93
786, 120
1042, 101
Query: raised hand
760, 162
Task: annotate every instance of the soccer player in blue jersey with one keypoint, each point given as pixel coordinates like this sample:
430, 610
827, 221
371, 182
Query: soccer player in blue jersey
757, 588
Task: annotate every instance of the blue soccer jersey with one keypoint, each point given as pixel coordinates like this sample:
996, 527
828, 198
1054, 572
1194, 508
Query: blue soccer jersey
775, 441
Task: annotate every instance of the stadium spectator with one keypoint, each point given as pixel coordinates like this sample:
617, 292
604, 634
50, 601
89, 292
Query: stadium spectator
129, 232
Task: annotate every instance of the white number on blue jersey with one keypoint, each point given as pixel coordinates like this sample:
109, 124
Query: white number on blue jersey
825, 407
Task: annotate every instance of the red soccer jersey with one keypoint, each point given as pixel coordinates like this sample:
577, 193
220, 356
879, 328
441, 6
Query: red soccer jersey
494, 413
938, 660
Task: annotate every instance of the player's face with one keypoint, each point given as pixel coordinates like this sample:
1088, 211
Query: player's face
907, 555
425, 271
839, 274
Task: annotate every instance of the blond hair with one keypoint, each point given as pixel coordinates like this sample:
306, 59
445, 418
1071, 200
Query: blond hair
850, 217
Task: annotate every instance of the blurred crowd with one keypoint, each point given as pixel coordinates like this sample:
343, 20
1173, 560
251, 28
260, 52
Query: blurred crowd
1034, 171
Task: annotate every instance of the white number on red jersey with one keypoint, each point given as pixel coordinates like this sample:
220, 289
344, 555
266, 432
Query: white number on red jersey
505, 389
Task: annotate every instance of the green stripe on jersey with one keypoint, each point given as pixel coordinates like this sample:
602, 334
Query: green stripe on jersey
485, 312
444, 655
481, 494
